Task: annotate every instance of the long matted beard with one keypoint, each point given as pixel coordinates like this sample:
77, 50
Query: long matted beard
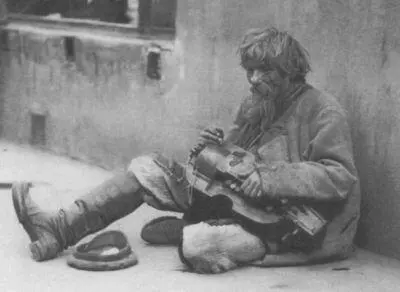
257, 114
260, 110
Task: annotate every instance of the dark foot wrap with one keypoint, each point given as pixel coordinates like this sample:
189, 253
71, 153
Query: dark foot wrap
166, 230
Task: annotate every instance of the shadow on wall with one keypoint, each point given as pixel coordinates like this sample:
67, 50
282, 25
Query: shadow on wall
376, 154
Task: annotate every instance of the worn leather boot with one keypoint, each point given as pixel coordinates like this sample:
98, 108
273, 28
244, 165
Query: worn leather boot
165, 230
168, 230
52, 232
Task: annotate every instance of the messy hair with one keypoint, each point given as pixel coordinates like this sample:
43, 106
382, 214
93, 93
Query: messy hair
275, 49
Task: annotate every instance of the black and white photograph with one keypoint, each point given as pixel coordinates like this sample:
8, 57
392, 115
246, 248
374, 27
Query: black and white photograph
190, 146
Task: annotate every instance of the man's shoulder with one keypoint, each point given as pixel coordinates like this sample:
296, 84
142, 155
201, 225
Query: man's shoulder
314, 101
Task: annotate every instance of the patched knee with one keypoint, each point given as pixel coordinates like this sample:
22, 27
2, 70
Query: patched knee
144, 167
141, 159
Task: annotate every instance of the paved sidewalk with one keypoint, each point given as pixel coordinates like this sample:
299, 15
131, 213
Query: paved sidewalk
159, 268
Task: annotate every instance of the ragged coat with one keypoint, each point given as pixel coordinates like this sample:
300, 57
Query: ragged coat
306, 154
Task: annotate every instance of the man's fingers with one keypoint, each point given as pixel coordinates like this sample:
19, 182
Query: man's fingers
211, 131
215, 131
244, 185
248, 187
207, 134
210, 138
253, 189
256, 193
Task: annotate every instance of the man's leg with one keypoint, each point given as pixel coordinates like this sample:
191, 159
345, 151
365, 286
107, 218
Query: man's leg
51, 233
213, 249
175, 195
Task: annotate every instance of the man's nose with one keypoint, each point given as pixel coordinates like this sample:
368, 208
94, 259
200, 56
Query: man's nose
256, 77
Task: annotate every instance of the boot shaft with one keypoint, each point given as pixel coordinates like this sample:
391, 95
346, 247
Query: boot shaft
112, 200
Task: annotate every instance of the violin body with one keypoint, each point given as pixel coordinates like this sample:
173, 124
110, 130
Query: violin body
220, 170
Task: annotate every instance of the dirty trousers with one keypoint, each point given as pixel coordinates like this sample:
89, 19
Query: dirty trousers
208, 249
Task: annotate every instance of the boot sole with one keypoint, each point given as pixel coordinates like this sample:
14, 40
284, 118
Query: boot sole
19, 192
37, 247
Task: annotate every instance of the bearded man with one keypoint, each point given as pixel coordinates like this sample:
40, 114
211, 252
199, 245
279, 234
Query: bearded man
303, 151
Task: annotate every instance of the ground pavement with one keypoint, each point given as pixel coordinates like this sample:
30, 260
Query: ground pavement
159, 268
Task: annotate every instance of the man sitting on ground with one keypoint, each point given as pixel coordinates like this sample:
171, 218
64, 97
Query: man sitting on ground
301, 141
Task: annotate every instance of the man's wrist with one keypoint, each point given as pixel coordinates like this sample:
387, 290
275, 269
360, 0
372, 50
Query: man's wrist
266, 175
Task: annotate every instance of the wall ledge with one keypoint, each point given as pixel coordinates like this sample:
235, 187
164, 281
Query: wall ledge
88, 29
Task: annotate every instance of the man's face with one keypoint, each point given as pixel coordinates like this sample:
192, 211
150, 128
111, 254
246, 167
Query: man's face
266, 82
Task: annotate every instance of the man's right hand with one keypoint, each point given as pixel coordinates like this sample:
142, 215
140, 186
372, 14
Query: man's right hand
210, 135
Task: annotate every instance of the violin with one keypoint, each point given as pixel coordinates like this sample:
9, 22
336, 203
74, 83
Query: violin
219, 170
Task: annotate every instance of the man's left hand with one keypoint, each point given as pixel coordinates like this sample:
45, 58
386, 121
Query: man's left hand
252, 186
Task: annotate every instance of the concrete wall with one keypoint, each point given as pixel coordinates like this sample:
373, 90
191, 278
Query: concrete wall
100, 108
355, 56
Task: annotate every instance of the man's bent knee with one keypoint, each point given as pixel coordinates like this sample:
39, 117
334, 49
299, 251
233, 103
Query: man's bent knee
138, 161
217, 249
154, 174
